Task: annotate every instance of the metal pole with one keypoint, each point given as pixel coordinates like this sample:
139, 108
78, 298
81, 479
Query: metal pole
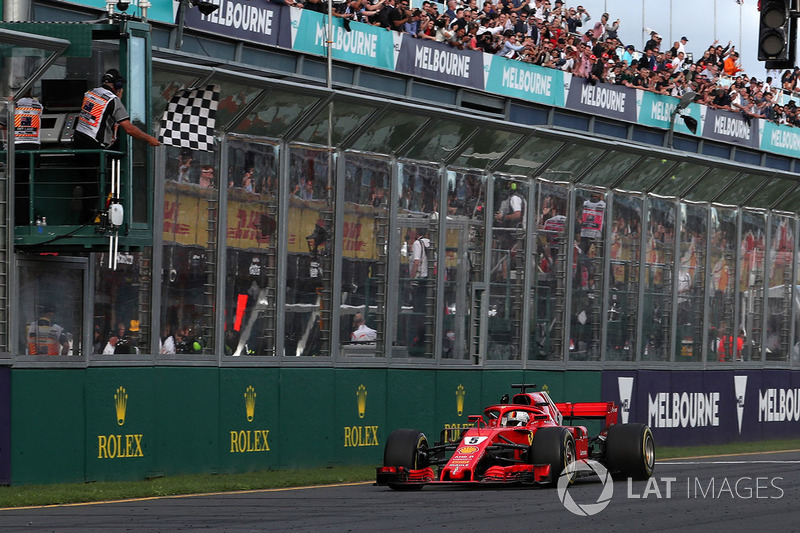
179, 36
715, 21
330, 46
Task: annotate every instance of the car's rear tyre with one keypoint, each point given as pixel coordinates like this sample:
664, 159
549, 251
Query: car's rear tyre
555, 446
407, 448
630, 451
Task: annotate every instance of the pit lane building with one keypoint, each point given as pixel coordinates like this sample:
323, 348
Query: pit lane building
658, 272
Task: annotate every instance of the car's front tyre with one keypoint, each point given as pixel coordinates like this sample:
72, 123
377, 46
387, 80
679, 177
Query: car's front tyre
555, 446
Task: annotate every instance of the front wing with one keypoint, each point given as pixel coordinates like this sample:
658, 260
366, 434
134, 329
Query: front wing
519, 474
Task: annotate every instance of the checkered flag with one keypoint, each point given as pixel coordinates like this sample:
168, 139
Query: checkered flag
188, 121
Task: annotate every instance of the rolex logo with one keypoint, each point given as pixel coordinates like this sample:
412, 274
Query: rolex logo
250, 402
121, 403
361, 395
460, 393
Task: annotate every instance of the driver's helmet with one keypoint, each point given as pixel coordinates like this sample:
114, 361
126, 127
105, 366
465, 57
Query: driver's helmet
517, 418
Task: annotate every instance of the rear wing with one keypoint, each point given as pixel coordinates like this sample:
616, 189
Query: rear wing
589, 411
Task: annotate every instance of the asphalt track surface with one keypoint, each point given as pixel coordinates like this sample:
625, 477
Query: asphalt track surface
753, 493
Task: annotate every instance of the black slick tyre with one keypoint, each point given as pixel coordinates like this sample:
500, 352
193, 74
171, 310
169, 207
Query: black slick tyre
554, 446
406, 448
630, 451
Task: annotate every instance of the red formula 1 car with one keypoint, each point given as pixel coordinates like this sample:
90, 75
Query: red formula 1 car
521, 442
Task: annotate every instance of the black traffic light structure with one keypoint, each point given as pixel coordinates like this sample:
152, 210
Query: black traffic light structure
777, 34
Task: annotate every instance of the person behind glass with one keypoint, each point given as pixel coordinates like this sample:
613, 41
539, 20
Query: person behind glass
361, 331
102, 113
45, 337
166, 343
207, 177
592, 220
185, 166
27, 127
98, 342
419, 269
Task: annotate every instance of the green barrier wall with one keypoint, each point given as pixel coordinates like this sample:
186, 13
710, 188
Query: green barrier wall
48, 426
133, 423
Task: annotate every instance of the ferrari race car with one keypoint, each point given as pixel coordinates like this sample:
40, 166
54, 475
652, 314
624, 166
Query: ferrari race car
523, 441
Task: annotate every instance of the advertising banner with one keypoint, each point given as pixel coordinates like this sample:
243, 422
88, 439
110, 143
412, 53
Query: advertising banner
261, 22
249, 419
362, 43
656, 110
441, 62
708, 407
525, 81
614, 101
186, 214
730, 127
780, 139
160, 11
5, 425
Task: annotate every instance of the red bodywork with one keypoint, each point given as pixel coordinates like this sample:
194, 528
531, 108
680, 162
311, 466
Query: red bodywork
490, 436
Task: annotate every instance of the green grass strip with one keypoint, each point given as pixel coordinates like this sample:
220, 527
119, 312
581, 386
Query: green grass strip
34, 495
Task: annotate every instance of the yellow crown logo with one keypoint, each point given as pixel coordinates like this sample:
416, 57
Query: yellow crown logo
121, 404
361, 394
250, 402
545, 388
460, 393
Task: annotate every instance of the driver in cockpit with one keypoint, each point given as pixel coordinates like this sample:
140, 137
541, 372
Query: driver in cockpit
516, 419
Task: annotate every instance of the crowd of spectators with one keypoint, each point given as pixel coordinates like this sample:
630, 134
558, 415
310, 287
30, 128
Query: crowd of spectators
550, 34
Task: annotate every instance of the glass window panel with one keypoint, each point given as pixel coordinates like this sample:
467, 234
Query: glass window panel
463, 261
250, 280
310, 252
681, 178
506, 294
389, 133
121, 304
50, 308
486, 148
691, 283
609, 169
417, 233
659, 259
646, 174
741, 190
751, 288
723, 271
19, 63
439, 140
587, 286
791, 203
769, 193
189, 232
364, 256
711, 184
780, 298
550, 271
346, 118
530, 156
572, 162
276, 114
625, 256
234, 97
